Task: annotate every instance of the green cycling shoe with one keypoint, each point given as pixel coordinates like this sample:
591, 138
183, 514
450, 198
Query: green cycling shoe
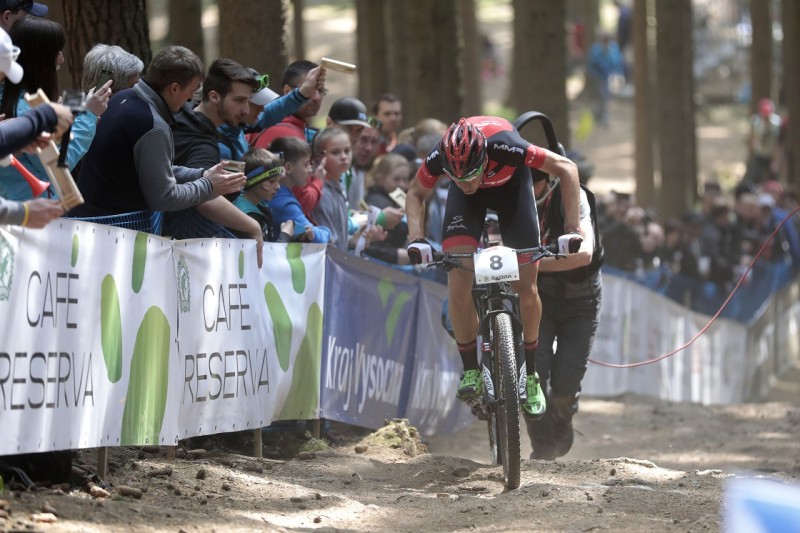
534, 405
471, 385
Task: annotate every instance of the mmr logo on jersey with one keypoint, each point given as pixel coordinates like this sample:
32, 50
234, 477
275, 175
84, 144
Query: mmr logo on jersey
507, 148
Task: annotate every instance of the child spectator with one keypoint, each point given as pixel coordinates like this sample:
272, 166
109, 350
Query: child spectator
390, 173
307, 180
297, 175
262, 171
334, 145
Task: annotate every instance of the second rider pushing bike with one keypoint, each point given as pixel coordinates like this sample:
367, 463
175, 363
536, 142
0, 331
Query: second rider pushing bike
489, 164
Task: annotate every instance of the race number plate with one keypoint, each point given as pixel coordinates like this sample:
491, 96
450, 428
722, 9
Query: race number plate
497, 263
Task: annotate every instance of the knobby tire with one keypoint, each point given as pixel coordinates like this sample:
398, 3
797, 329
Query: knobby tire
507, 391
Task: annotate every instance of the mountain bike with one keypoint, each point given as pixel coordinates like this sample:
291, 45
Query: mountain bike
502, 352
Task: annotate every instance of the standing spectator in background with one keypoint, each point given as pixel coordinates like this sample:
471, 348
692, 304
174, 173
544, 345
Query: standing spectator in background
41, 42
350, 115
762, 144
19, 132
390, 172
267, 109
604, 61
624, 33
14, 10
389, 111
263, 171
298, 124
225, 99
129, 165
297, 172
124, 68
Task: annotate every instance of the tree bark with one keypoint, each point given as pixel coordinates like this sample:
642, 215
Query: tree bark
89, 22
473, 81
186, 25
298, 27
760, 52
372, 49
427, 52
791, 87
253, 33
642, 103
539, 65
676, 107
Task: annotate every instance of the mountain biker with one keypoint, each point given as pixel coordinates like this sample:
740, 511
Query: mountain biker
570, 289
488, 164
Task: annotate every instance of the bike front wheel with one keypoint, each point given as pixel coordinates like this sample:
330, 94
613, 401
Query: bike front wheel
506, 416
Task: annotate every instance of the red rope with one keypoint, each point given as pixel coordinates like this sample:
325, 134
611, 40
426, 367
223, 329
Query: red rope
716, 315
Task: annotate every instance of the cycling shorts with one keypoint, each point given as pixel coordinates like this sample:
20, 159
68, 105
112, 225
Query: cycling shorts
516, 212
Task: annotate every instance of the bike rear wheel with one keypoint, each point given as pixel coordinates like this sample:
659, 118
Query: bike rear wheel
504, 432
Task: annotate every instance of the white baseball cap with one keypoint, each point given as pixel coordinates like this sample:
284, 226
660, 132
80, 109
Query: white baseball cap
264, 96
8, 58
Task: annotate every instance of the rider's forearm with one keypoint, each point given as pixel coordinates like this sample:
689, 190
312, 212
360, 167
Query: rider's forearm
571, 195
415, 211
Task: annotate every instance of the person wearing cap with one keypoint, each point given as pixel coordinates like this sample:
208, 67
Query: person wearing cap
298, 124
267, 108
13, 10
350, 115
28, 130
263, 171
762, 144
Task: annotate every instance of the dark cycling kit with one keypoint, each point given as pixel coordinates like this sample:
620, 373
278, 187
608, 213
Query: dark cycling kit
506, 187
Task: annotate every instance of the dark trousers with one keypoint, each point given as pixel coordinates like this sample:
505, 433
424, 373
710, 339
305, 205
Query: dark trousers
572, 325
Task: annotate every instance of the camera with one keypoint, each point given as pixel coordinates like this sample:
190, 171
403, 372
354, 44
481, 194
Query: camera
75, 100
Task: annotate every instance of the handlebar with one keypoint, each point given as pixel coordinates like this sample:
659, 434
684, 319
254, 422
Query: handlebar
449, 261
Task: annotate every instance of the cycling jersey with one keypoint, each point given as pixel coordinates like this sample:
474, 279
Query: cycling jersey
505, 149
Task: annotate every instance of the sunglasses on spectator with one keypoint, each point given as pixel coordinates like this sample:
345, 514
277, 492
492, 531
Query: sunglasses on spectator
263, 82
374, 123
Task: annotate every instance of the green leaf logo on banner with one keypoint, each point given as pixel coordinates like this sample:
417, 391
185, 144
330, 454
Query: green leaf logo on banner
111, 328
297, 267
385, 290
139, 261
149, 377
75, 242
303, 398
281, 325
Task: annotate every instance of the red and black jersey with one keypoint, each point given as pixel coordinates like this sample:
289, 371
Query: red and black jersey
505, 148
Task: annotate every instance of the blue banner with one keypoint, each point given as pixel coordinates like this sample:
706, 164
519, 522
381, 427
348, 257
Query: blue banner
368, 341
432, 404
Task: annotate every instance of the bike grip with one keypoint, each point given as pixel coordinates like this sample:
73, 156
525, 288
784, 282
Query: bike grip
420, 252
569, 243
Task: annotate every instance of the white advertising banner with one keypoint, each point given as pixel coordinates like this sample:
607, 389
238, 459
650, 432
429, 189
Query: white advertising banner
243, 330
87, 324
638, 325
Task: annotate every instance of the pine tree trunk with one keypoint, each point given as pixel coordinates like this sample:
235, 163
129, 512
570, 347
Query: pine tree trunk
473, 81
676, 120
185, 25
298, 28
791, 87
253, 33
643, 101
372, 50
427, 54
539, 65
760, 52
89, 22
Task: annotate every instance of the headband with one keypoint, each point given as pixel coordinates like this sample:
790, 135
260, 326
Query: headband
259, 174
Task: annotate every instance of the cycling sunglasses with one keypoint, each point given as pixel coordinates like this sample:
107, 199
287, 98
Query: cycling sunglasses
478, 172
263, 82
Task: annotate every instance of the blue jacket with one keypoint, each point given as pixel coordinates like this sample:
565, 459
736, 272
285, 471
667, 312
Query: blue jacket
233, 144
14, 187
286, 207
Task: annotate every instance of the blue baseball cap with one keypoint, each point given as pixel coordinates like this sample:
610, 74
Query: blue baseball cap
29, 6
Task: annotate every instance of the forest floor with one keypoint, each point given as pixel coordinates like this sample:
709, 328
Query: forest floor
638, 463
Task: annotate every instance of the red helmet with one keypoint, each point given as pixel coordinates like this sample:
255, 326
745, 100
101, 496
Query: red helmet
462, 151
